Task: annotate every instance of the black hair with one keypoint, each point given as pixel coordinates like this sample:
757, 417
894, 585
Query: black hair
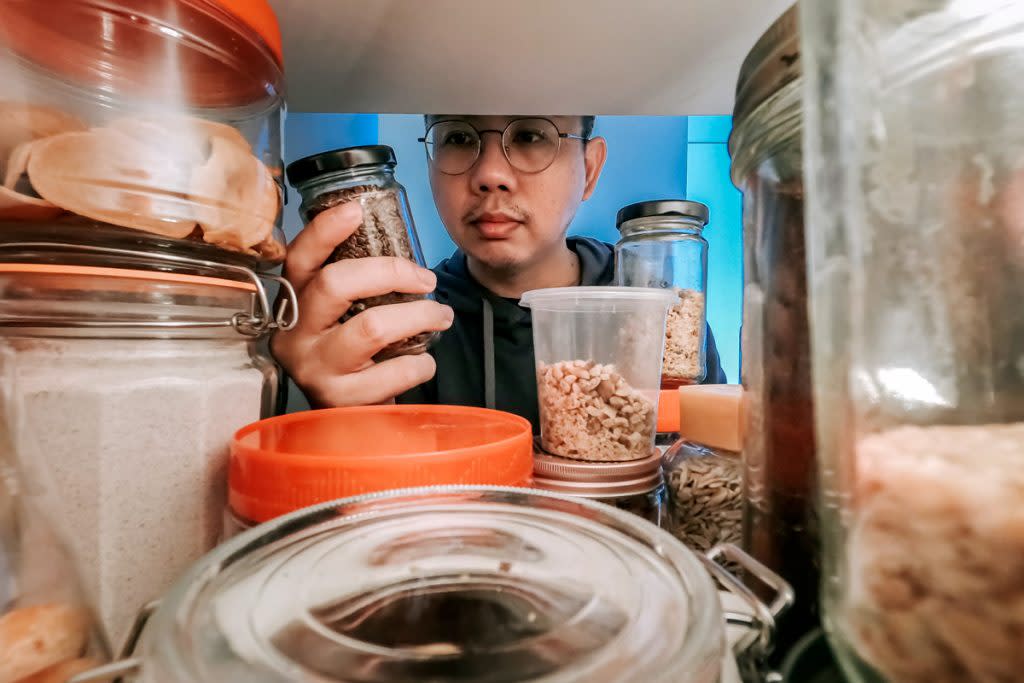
587, 123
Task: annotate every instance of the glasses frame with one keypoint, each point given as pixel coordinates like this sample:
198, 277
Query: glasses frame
504, 148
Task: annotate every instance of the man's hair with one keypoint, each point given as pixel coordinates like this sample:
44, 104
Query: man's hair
587, 123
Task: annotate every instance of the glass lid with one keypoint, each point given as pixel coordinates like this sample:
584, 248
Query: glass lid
443, 584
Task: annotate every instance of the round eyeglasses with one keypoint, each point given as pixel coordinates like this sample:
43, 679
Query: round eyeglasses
530, 145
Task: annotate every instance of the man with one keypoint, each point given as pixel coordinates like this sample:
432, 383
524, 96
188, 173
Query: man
507, 189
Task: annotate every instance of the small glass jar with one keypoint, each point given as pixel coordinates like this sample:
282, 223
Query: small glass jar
662, 247
635, 486
367, 175
704, 468
128, 385
445, 583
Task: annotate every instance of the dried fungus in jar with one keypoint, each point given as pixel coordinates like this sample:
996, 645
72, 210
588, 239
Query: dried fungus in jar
365, 175
590, 412
684, 340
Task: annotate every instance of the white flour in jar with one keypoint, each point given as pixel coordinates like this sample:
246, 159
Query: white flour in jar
136, 434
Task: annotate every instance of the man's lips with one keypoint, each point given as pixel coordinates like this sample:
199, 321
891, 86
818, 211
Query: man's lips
495, 225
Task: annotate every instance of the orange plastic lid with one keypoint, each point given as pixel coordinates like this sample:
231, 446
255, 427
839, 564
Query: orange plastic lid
259, 16
668, 412
293, 461
712, 415
126, 273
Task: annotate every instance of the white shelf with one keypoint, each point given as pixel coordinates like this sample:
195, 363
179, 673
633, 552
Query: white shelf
644, 57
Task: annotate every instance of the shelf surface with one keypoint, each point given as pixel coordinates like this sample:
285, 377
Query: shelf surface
644, 57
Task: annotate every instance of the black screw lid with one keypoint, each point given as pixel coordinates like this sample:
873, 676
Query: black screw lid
663, 207
310, 167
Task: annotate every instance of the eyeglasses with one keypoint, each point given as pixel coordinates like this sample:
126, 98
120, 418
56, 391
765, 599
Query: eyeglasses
530, 145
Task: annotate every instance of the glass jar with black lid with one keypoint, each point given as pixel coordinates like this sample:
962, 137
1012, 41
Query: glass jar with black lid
662, 246
365, 175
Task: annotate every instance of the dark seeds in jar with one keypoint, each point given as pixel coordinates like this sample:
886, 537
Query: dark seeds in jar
383, 233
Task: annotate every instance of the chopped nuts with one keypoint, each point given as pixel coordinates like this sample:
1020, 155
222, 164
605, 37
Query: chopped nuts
596, 416
684, 340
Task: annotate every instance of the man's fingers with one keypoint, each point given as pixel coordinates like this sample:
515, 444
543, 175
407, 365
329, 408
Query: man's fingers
334, 289
318, 240
379, 382
350, 347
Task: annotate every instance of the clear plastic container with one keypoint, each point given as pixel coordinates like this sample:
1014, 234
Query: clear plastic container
480, 585
915, 153
598, 352
635, 486
289, 462
128, 385
662, 246
704, 468
367, 175
154, 126
47, 629
779, 451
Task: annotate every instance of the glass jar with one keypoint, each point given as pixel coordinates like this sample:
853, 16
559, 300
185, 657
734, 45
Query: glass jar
128, 385
704, 468
662, 247
780, 527
47, 629
916, 228
367, 175
635, 486
448, 583
153, 126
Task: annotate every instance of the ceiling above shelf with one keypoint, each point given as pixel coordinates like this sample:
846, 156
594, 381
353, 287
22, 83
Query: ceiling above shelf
646, 57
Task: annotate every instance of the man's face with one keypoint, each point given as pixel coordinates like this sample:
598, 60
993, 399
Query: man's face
505, 218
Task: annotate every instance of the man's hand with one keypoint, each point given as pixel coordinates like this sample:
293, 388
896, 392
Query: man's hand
332, 362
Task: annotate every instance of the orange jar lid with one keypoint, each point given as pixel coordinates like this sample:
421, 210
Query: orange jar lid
289, 462
668, 412
260, 17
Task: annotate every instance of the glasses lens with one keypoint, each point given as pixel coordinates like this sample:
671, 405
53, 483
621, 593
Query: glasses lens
531, 144
453, 146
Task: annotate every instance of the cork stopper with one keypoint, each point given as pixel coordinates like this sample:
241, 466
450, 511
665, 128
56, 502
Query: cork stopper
712, 415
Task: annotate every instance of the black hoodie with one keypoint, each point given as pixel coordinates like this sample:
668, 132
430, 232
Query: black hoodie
486, 357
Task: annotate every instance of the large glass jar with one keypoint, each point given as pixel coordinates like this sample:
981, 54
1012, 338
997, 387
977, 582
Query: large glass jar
482, 585
143, 124
128, 385
662, 247
779, 447
366, 175
47, 629
916, 244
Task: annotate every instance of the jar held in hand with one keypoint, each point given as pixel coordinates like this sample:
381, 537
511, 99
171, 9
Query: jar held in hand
366, 175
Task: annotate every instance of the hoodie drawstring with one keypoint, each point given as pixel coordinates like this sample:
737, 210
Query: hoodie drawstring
488, 311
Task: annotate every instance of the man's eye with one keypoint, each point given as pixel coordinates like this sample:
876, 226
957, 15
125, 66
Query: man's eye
457, 138
529, 137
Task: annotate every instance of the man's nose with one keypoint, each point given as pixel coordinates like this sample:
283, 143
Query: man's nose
492, 172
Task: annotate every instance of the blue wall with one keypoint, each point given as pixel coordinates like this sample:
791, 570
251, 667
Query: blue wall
649, 157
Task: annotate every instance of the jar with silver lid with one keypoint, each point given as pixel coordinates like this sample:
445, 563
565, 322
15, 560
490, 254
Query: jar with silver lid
662, 247
473, 584
128, 383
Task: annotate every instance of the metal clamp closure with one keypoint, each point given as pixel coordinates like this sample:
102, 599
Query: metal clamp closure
261, 318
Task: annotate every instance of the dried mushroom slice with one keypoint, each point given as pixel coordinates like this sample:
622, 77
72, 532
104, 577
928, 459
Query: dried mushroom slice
15, 206
111, 177
21, 122
236, 197
201, 131
17, 164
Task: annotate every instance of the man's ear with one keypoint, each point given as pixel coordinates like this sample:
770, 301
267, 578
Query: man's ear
594, 156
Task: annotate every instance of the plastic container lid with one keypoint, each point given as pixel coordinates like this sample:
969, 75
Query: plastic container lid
596, 298
712, 415
596, 479
663, 208
289, 462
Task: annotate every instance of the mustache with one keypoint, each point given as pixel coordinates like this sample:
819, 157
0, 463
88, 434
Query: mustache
512, 211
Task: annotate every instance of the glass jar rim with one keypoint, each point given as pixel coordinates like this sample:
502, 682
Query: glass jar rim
669, 625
